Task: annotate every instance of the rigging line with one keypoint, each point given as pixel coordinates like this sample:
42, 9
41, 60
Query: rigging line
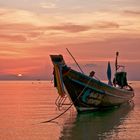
69, 106
75, 60
78, 64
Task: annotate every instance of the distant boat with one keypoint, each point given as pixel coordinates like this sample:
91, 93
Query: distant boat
88, 93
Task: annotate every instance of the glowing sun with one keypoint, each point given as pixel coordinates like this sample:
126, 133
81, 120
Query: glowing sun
19, 75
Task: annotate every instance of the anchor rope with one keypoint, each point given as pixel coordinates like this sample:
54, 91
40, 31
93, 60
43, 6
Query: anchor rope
69, 106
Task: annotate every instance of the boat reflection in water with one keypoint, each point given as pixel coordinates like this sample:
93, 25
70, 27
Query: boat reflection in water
103, 124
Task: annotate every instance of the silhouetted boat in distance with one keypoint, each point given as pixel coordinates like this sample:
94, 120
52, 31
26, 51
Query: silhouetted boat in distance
87, 93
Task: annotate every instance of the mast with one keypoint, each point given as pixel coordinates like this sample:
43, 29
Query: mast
116, 62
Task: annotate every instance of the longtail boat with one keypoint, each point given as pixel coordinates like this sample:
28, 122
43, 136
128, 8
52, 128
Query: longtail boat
88, 93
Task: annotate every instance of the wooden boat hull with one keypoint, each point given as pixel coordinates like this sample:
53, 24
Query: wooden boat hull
85, 92
90, 94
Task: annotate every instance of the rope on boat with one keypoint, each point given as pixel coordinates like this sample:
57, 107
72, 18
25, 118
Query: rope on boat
74, 60
69, 106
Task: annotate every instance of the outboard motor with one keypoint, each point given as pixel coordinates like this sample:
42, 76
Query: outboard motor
120, 79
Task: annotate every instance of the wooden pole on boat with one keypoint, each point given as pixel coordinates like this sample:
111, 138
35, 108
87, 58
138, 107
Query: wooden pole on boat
116, 62
75, 60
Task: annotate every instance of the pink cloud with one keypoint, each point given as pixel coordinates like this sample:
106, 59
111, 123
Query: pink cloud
22, 32
70, 27
106, 25
19, 32
17, 38
28, 66
32, 58
38, 61
132, 13
17, 26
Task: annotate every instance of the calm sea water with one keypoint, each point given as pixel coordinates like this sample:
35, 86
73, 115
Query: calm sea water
23, 105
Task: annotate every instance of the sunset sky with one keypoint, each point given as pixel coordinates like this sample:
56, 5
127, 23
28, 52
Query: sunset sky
93, 30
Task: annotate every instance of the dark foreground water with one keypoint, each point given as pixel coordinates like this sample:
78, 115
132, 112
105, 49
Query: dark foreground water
23, 105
